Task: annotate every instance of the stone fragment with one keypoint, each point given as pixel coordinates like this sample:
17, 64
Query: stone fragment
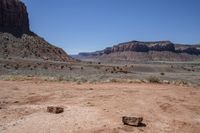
55, 110
132, 121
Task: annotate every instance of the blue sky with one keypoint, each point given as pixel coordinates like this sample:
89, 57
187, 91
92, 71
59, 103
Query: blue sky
90, 25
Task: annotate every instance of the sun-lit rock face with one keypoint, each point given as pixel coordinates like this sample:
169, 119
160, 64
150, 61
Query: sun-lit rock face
144, 46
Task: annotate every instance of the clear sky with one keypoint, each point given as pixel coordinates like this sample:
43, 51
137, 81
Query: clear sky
90, 25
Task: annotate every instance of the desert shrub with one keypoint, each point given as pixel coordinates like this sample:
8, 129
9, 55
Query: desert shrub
113, 80
97, 67
17, 78
7, 66
81, 68
162, 73
60, 78
62, 67
154, 79
45, 67
123, 70
114, 69
89, 62
81, 80
180, 82
16, 67
70, 68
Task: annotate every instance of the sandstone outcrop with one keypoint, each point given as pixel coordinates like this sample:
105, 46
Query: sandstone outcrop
137, 46
17, 40
13, 17
145, 51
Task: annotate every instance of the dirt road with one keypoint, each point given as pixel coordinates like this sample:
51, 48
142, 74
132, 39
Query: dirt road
97, 108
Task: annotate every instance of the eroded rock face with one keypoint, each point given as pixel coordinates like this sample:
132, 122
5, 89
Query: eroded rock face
161, 46
137, 46
13, 17
191, 50
16, 39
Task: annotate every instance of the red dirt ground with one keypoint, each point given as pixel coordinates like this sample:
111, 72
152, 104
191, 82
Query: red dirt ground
97, 108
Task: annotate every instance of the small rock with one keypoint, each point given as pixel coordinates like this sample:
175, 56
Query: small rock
132, 121
166, 82
16, 102
55, 110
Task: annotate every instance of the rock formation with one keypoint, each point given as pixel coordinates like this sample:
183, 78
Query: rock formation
17, 40
137, 46
30, 47
144, 46
146, 51
13, 17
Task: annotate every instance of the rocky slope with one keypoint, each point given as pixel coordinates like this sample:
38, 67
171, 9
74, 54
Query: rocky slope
136, 50
30, 47
17, 40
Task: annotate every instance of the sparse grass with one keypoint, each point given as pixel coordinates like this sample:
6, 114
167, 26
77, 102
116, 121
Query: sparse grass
16, 77
97, 67
60, 78
118, 70
70, 68
154, 79
180, 82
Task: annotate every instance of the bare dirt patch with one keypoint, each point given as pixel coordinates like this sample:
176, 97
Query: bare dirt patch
97, 108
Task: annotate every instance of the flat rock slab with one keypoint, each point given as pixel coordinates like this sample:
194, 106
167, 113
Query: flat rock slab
132, 121
55, 110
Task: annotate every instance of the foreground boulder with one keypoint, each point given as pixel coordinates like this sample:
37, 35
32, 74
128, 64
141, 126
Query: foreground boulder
132, 121
55, 110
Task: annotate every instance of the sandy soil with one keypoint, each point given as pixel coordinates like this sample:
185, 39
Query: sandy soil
97, 108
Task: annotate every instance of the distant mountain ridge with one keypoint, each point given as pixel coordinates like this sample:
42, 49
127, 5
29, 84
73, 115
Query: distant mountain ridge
156, 48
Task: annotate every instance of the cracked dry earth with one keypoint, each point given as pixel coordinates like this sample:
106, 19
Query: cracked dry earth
97, 108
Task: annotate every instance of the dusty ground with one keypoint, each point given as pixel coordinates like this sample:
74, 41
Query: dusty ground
187, 72
97, 108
